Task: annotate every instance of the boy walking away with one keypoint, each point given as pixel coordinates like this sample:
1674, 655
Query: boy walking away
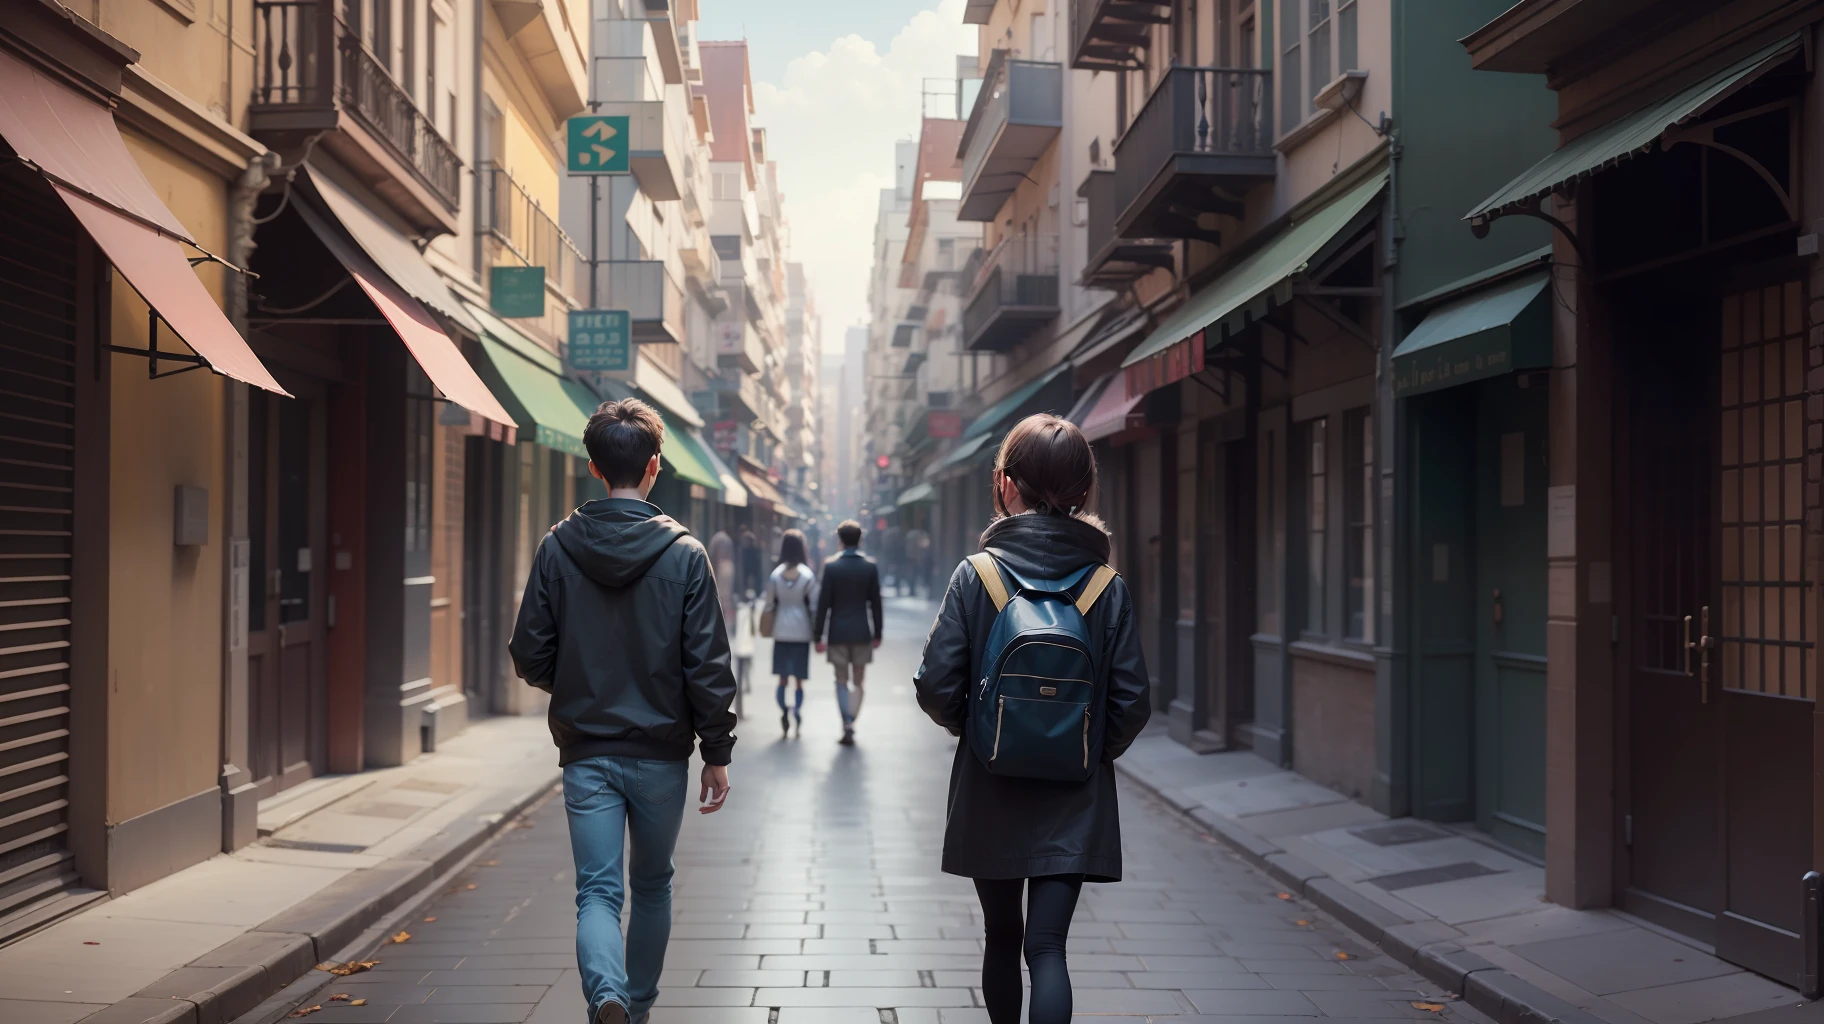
849, 606
621, 625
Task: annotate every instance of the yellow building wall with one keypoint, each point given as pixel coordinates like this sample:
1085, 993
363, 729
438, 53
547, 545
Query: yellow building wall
186, 44
164, 602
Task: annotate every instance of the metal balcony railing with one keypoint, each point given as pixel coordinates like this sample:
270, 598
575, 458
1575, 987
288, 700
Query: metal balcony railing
508, 213
308, 59
649, 293
1018, 113
1114, 260
1109, 35
1201, 126
1015, 293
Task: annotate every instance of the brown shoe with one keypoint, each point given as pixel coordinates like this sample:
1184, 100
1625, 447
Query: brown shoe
611, 1012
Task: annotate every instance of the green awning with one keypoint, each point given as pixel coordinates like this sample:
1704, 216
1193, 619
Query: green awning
964, 454
549, 410
733, 493
991, 418
685, 455
1495, 331
1248, 288
917, 494
1609, 145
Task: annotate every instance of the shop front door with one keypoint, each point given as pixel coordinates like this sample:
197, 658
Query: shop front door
286, 612
1723, 679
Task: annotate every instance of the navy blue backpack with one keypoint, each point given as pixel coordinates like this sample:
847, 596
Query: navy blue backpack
1032, 715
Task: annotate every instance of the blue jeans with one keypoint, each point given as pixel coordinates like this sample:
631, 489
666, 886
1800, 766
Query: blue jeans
609, 799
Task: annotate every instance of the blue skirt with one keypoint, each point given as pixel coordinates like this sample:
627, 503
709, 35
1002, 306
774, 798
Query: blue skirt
792, 658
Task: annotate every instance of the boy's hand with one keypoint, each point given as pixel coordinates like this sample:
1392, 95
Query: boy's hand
715, 788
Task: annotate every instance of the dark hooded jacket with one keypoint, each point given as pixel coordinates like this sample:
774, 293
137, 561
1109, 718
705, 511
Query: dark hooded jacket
1000, 827
620, 624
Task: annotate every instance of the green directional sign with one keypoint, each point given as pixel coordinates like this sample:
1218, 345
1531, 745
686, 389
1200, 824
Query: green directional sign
516, 291
598, 144
601, 339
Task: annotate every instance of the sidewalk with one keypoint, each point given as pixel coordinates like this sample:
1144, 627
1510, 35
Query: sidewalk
1454, 907
336, 855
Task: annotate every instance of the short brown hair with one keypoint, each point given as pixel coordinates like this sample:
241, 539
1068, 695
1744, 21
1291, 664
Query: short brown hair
622, 437
849, 532
1050, 463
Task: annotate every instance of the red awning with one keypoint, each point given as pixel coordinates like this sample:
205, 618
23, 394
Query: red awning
759, 487
441, 360
72, 140
1113, 412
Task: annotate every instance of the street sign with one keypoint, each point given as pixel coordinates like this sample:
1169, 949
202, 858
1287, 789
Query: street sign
516, 291
598, 144
601, 339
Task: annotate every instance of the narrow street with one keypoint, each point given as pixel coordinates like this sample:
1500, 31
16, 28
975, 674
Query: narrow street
814, 898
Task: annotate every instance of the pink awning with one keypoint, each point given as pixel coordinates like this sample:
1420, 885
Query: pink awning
439, 357
72, 140
1113, 411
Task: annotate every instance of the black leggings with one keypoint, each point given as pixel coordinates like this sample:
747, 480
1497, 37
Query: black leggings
1050, 902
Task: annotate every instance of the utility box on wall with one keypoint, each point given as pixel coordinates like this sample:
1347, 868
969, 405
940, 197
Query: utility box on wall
190, 516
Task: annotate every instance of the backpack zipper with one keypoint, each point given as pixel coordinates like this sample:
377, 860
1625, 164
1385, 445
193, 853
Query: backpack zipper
1085, 739
999, 711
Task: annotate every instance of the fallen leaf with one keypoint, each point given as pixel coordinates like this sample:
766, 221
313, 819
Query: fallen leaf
352, 967
471, 885
428, 920
402, 937
339, 997
357, 1002
305, 1011
1340, 955
490, 863
1301, 922
1433, 1007
1283, 895
91, 943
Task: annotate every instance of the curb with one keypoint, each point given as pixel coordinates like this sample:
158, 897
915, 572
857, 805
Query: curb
242, 973
1429, 947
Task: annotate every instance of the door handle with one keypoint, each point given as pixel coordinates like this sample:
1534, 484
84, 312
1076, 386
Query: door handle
1702, 645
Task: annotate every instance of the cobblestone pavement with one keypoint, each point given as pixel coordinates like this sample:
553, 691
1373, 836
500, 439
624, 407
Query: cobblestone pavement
814, 898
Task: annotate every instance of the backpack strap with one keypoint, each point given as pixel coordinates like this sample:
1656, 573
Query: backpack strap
990, 574
1097, 583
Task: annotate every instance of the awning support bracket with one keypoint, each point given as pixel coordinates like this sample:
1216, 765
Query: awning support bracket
1534, 208
152, 355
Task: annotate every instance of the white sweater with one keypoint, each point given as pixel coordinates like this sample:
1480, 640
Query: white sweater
791, 602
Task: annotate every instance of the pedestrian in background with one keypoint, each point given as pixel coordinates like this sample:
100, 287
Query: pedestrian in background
722, 563
751, 578
620, 623
918, 555
1015, 834
848, 622
789, 593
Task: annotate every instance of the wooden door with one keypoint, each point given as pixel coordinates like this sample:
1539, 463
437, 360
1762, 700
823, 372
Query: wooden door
1510, 585
1760, 685
285, 665
1671, 830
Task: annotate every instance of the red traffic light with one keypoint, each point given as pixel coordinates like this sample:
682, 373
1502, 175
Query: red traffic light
883, 461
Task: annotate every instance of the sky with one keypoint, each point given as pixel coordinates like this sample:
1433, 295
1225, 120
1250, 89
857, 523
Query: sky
836, 83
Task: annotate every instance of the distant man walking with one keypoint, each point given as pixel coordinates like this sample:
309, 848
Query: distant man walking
621, 625
848, 605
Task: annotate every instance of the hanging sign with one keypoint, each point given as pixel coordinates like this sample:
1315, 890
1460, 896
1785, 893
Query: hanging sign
601, 339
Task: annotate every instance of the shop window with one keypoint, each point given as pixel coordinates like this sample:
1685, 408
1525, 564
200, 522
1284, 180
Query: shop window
1313, 445
1358, 525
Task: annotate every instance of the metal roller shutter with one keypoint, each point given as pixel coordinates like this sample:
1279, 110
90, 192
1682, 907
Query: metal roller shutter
38, 303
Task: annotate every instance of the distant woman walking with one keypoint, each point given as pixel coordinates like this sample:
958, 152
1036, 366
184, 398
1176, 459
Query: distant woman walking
790, 591
1035, 662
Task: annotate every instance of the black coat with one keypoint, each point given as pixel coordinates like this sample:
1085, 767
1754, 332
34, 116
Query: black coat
849, 600
620, 623
1001, 827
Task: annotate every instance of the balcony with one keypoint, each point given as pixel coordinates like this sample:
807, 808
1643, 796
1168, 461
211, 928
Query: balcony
1203, 140
1112, 35
738, 395
1017, 115
665, 37
1116, 262
738, 346
314, 76
509, 214
649, 293
905, 332
542, 35
657, 156
1016, 293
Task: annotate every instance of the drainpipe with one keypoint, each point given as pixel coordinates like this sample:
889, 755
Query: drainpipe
475, 133
240, 803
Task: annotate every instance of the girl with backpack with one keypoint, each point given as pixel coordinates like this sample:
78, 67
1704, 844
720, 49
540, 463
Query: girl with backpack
790, 591
1035, 662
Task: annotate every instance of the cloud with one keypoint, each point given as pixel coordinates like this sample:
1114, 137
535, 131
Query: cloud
831, 124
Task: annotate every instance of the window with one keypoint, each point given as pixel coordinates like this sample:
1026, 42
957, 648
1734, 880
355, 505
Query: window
1318, 43
1314, 435
1358, 525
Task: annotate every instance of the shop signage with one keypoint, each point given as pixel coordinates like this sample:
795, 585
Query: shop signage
516, 292
601, 339
723, 434
944, 423
597, 144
